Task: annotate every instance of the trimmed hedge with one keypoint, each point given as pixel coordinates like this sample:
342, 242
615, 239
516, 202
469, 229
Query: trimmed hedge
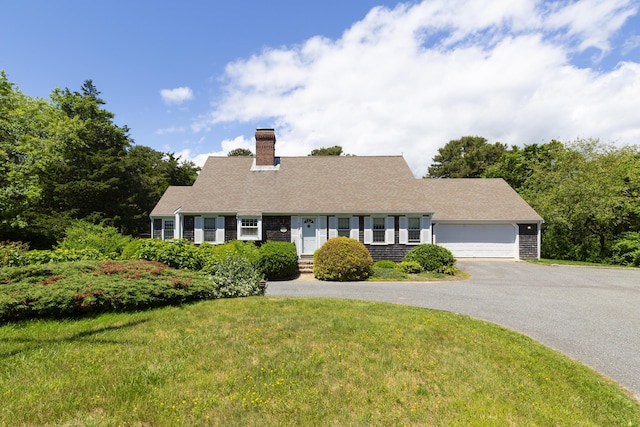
432, 258
277, 260
384, 263
342, 259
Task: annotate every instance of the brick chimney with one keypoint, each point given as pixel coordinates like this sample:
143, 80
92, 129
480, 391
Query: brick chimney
265, 147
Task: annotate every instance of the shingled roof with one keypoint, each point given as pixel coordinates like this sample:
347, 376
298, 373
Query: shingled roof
476, 199
301, 185
353, 185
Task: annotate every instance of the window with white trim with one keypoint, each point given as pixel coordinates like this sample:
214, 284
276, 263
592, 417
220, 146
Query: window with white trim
209, 229
157, 228
414, 230
344, 227
379, 230
249, 228
168, 227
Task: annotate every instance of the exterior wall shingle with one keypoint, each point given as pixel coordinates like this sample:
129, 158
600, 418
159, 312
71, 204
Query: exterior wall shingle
271, 226
528, 237
230, 228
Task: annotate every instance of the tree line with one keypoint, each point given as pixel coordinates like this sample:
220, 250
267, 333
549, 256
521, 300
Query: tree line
586, 191
64, 159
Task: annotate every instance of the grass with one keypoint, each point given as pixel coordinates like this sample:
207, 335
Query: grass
546, 261
395, 275
285, 361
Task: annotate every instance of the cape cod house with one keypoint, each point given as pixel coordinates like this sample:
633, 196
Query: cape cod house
375, 199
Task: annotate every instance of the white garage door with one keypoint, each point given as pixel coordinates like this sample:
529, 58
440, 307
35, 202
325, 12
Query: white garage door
478, 241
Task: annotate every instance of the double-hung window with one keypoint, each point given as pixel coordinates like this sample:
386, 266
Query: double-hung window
378, 230
413, 230
249, 228
344, 227
169, 226
209, 229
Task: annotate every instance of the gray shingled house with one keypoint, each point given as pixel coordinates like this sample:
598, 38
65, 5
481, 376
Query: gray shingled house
375, 199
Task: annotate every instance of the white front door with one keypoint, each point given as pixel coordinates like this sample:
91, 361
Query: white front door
309, 242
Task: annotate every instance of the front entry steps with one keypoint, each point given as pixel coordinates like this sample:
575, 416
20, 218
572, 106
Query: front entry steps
305, 264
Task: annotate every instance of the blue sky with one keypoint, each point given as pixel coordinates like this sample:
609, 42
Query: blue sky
377, 77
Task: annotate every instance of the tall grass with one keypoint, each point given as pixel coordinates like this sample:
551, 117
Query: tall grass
277, 361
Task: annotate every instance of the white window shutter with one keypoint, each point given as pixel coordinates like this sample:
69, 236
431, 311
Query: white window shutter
333, 227
198, 230
295, 232
354, 233
425, 229
177, 226
389, 230
403, 233
259, 228
220, 229
368, 230
322, 230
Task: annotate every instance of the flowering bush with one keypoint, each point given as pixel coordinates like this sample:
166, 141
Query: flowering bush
236, 277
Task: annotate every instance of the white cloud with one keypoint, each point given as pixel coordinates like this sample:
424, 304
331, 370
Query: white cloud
176, 96
226, 145
171, 129
410, 79
198, 159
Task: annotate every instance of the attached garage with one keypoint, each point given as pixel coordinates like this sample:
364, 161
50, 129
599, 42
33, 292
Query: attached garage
478, 240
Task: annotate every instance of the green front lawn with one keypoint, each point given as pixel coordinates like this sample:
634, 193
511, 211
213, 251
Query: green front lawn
284, 361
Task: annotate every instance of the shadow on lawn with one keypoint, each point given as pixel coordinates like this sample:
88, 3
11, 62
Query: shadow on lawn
34, 343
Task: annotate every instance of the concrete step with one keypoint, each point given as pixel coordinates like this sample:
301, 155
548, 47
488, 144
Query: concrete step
305, 264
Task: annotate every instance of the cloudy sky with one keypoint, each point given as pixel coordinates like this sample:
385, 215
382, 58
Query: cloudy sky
377, 77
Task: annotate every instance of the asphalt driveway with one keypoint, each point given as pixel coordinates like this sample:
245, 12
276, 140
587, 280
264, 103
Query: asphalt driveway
590, 314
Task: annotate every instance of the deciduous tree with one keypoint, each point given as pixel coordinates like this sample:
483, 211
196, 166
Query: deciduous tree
467, 157
336, 150
236, 152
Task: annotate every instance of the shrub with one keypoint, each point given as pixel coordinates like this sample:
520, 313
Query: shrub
388, 273
13, 254
626, 251
410, 267
449, 270
212, 255
89, 287
179, 253
130, 251
104, 239
64, 255
342, 259
385, 263
236, 277
277, 260
431, 257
